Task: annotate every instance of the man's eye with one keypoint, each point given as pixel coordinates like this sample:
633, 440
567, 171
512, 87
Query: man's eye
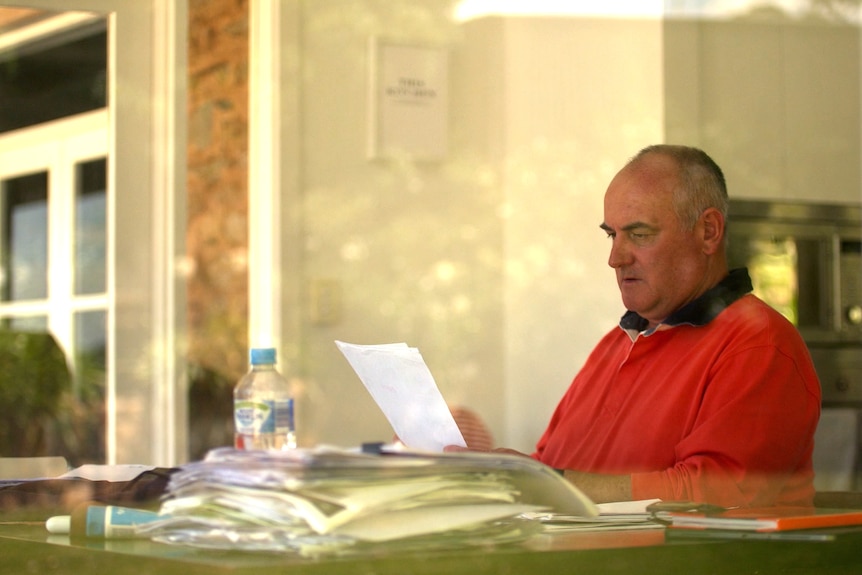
640, 236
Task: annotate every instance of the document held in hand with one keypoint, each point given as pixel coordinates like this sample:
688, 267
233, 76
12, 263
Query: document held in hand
401, 384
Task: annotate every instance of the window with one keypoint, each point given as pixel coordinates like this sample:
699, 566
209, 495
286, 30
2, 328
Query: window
53, 198
133, 324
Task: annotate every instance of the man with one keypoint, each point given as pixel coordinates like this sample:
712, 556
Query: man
703, 392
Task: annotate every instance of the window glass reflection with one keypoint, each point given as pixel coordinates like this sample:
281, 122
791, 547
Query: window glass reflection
25, 237
34, 382
53, 79
90, 241
61, 409
772, 266
85, 414
26, 324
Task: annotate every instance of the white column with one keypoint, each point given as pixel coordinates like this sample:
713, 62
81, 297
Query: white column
264, 206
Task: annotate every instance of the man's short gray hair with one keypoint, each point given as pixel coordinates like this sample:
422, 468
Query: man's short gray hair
701, 183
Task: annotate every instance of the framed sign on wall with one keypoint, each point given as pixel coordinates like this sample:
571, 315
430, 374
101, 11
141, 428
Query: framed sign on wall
408, 101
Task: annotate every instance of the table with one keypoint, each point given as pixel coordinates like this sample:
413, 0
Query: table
26, 547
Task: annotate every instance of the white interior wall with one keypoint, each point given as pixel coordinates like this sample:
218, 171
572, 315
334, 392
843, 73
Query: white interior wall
407, 249
582, 96
776, 102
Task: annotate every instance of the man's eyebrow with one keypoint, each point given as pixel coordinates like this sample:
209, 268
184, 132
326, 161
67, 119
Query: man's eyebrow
629, 227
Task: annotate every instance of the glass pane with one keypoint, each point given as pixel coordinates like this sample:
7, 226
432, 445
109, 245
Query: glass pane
773, 265
84, 420
90, 243
46, 80
813, 299
34, 384
25, 237
34, 323
788, 272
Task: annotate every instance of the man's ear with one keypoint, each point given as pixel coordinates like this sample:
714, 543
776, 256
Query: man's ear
712, 223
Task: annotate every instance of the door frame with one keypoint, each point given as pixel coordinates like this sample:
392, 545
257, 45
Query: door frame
146, 391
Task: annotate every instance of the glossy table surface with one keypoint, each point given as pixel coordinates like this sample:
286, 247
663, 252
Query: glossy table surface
26, 547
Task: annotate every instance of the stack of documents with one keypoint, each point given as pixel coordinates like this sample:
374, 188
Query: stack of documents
331, 500
619, 515
326, 500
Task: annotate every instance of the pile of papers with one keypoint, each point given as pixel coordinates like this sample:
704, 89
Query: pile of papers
619, 515
329, 500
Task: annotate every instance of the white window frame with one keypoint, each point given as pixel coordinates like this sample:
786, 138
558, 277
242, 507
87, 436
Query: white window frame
56, 148
146, 389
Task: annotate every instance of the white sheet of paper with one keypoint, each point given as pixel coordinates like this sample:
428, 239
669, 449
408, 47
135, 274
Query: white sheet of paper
95, 472
400, 523
626, 507
401, 384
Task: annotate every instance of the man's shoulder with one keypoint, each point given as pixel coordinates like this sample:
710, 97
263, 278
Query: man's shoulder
750, 309
751, 318
750, 324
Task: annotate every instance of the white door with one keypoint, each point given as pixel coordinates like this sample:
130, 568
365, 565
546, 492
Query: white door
140, 151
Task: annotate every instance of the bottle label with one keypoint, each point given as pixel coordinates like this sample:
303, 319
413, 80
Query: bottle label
284, 416
263, 416
254, 417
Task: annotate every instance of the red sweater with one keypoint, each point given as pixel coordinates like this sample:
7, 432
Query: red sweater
723, 412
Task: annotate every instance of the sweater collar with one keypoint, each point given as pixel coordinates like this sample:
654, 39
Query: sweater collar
700, 311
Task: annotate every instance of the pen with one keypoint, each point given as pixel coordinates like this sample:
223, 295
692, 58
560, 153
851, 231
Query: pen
685, 507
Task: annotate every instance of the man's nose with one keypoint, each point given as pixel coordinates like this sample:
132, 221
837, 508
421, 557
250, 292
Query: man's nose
619, 255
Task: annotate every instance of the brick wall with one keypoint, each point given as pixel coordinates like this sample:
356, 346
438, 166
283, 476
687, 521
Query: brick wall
217, 236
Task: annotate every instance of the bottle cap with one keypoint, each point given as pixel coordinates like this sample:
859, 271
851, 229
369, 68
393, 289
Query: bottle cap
262, 355
59, 524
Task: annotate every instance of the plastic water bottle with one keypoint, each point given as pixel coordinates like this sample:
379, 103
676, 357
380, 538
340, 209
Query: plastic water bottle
263, 406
